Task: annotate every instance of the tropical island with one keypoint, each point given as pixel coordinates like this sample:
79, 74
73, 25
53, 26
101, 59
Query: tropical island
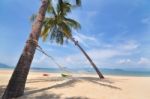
62, 49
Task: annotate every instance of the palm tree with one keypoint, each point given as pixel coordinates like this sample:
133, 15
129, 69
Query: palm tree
16, 85
89, 59
58, 27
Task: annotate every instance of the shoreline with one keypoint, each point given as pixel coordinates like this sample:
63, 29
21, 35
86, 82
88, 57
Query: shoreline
127, 74
80, 86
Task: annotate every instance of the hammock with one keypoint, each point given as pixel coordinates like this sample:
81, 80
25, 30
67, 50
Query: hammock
39, 48
64, 71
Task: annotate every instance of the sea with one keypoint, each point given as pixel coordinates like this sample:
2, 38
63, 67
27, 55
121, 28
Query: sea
105, 71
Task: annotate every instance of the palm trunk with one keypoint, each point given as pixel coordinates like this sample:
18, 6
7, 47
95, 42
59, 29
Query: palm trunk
17, 82
90, 60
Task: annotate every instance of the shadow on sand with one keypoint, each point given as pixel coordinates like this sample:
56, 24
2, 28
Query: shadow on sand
72, 81
2, 88
68, 83
104, 82
46, 95
48, 79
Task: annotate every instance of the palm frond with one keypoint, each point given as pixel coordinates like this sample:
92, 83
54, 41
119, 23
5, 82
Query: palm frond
72, 23
78, 2
63, 7
45, 33
65, 28
57, 35
60, 37
57, 27
48, 24
53, 33
49, 21
50, 7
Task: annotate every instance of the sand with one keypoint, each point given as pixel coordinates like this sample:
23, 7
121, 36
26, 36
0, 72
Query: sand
80, 86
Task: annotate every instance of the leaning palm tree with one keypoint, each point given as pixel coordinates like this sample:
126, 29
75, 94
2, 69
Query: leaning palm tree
87, 56
16, 85
57, 26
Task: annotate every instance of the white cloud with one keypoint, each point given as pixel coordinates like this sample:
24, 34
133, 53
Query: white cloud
9, 60
104, 53
144, 61
129, 45
146, 20
91, 14
85, 40
97, 55
100, 55
42, 60
124, 61
54, 44
39, 59
134, 62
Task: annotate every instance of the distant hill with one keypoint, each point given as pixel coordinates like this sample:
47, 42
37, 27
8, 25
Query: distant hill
4, 65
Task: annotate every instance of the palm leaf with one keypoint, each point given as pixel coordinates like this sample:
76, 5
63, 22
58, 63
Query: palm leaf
63, 7
45, 33
72, 23
57, 26
78, 2
50, 7
65, 28
48, 24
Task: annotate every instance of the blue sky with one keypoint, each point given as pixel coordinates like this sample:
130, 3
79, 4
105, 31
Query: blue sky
115, 33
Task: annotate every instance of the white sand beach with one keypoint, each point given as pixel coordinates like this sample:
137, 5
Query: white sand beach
80, 86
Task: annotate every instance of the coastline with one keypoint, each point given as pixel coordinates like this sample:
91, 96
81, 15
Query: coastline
80, 86
107, 72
